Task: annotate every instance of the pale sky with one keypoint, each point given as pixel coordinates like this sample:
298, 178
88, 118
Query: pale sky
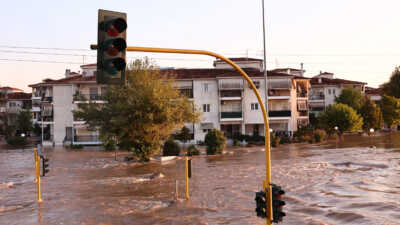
355, 39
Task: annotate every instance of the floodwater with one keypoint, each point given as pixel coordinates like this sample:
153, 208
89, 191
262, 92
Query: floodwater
333, 183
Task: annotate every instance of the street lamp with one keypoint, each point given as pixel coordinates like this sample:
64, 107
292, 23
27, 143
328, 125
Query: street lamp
371, 132
337, 135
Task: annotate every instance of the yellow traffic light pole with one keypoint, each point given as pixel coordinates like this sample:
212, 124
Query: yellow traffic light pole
253, 87
37, 173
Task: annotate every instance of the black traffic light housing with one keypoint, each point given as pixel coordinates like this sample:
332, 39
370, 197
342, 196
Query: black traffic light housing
111, 47
261, 204
277, 203
45, 165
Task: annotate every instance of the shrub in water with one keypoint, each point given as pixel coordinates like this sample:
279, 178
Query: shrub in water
215, 142
319, 135
171, 148
17, 141
192, 150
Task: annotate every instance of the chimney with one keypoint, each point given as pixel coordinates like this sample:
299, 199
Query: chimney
67, 72
302, 70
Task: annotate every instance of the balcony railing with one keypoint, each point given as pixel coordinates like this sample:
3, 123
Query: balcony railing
231, 115
186, 92
283, 113
47, 99
317, 97
231, 84
86, 138
87, 97
302, 94
278, 93
230, 93
303, 113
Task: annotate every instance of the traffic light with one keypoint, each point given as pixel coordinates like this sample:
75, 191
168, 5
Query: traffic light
45, 165
261, 204
111, 47
277, 203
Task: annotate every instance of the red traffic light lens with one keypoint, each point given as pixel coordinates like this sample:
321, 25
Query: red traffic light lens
114, 46
115, 27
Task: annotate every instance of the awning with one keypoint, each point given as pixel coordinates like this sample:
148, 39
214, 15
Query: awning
207, 126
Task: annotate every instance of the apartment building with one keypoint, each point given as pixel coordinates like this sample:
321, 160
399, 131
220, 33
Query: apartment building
12, 102
54, 100
224, 97
325, 88
229, 104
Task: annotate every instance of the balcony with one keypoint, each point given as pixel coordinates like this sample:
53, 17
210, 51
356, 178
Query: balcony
303, 113
48, 99
231, 116
231, 84
280, 113
231, 94
279, 94
188, 92
86, 140
302, 94
317, 97
279, 84
88, 97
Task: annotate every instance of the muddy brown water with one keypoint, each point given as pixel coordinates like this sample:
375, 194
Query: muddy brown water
332, 183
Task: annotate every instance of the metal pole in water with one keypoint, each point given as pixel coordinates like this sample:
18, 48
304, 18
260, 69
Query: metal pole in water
187, 177
37, 168
176, 189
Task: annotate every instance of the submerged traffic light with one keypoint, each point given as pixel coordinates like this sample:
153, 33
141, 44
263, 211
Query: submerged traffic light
277, 203
45, 165
261, 204
111, 47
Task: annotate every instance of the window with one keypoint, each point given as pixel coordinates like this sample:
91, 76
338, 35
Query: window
329, 91
254, 106
13, 104
256, 83
206, 130
93, 93
334, 91
206, 107
205, 87
103, 90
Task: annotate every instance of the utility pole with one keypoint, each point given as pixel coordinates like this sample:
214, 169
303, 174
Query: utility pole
265, 61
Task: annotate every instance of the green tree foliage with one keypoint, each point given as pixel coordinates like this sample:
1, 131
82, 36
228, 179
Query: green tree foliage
351, 97
372, 115
24, 122
6, 126
184, 135
142, 114
192, 150
342, 116
392, 88
391, 110
215, 141
171, 148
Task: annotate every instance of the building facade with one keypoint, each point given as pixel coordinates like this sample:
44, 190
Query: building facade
225, 99
325, 88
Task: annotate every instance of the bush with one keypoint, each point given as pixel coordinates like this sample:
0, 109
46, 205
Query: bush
275, 140
215, 142
285, 140
171, 148
17, 141
319, 135
109, 145
192, 150
76, 146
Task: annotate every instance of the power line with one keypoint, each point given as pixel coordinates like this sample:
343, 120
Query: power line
38, 61
42, 48
44, 53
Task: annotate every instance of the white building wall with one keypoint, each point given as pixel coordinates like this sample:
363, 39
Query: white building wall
201, 96
293, 109
249, 97
62, 108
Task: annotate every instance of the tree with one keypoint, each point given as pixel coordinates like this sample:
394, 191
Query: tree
342, 116
371, 114
392, 88
215, 141
6, 126
351, 97
390, 110
24, 122
142, 114
184, 135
